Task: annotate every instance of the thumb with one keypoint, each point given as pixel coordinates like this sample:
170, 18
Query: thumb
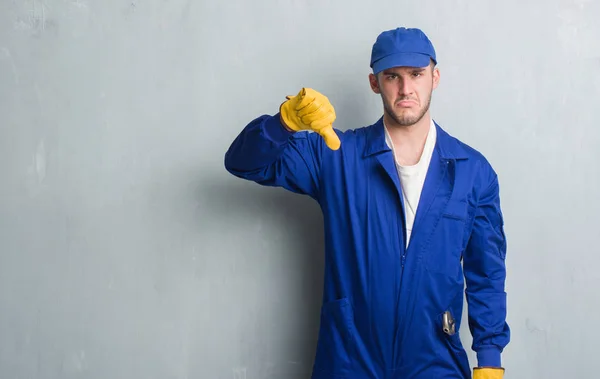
331, 138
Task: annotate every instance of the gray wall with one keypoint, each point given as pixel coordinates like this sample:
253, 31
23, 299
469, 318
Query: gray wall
127, 251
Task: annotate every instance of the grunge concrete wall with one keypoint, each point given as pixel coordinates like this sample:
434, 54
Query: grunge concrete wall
126, 249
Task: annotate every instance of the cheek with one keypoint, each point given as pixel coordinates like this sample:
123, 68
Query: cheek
424, 92
389, 90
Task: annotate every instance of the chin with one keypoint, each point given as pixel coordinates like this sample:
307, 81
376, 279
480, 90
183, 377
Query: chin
408, 120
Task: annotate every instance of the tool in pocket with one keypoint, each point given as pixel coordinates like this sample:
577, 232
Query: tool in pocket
448, 323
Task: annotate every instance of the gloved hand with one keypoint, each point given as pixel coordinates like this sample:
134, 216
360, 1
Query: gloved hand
488, 373
310, 110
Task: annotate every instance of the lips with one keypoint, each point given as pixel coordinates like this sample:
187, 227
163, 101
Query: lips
406, 103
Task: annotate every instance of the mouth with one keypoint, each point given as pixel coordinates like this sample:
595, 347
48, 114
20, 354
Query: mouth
406, 103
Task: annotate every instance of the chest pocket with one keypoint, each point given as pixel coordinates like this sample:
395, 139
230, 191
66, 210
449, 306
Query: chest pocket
446, 242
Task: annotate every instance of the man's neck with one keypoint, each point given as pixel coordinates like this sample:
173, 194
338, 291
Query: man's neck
408, 141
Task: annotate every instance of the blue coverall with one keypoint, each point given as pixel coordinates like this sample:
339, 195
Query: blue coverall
383, 303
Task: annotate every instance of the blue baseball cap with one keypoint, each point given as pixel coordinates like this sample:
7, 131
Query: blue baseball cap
408, 47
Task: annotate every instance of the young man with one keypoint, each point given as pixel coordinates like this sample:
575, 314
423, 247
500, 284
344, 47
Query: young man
410, 213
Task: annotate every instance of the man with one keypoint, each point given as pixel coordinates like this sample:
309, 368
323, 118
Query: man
410, 213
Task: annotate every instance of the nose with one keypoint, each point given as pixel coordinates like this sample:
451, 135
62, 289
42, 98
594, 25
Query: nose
404, 88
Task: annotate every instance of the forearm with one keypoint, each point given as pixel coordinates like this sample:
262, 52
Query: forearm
487, 312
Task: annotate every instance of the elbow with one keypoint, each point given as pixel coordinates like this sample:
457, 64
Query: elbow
236, 164
229, 163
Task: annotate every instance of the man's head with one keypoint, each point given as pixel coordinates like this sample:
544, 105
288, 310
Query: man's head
404, 74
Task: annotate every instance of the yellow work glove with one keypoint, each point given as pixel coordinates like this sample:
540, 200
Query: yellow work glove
310, 110
488, 373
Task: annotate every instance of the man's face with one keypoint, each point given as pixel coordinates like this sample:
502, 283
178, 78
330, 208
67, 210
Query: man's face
406, 92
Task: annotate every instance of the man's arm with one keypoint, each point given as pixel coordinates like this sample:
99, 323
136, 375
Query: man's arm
485, 274
268, 153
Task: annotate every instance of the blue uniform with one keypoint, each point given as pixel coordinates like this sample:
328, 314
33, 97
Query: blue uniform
383, 303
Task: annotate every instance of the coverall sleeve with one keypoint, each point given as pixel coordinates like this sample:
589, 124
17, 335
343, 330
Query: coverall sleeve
485, 275
267, 153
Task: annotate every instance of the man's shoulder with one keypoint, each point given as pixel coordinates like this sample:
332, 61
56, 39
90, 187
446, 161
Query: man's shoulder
473, 158
461, 147
354, 132
355, 135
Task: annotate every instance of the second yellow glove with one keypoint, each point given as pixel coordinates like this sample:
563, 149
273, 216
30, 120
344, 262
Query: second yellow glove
488, 373
311, 110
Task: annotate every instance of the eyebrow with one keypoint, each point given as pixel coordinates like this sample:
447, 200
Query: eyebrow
414, 69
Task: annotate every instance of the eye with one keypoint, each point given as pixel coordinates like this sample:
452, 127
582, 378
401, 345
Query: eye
417, 74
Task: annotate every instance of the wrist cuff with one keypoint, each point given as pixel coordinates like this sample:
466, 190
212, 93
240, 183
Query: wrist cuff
489, 357
275, 131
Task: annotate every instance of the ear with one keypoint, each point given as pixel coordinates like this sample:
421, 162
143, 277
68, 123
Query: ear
374, 84
436, 77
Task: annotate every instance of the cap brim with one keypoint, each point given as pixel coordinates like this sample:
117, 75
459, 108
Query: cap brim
401, 60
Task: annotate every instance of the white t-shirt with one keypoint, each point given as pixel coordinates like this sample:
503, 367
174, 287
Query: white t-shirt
413, 177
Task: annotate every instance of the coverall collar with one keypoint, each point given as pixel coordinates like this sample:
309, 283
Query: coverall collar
447, 146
